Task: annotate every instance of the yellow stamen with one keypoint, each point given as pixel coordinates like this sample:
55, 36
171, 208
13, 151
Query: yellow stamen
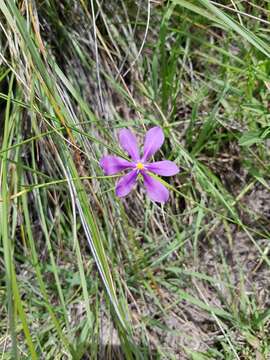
140, 166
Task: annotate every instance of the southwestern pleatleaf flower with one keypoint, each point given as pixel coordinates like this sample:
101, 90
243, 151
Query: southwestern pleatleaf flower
154, 139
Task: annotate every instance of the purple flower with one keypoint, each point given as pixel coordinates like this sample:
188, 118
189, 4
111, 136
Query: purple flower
140, 165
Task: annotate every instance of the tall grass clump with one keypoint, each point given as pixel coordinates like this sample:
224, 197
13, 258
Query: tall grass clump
87, 275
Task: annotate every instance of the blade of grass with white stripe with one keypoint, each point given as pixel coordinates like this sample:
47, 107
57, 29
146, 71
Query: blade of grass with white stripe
6, 239
14, 210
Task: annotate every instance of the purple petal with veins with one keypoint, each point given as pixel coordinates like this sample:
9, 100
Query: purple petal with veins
114, 164
129, 143
154, 139
126, 183
163, 168
155, 190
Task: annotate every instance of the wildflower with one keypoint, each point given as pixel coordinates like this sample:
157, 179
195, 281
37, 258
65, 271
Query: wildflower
140, 165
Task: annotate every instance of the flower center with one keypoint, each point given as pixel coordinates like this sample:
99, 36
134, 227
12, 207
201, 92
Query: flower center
140, 166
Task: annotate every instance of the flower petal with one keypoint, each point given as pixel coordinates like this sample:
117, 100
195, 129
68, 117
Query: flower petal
154, 139
129, 143
163, 168
114, 164
126, 183
155, 190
